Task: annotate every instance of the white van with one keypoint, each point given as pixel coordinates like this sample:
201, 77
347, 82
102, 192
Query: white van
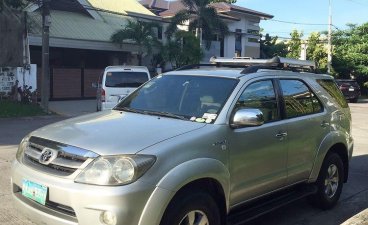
117, 82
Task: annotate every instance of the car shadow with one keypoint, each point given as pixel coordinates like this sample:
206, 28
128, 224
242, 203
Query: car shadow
353, 200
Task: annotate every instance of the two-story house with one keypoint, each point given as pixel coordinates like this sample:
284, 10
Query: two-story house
243, 23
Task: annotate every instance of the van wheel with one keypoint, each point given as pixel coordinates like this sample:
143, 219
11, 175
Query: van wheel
329, 182
188, 208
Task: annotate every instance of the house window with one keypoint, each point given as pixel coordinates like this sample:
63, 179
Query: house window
159, 33
238, 42
254, 32
253, 40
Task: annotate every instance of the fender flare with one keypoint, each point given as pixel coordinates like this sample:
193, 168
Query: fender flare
177, 178
330, 140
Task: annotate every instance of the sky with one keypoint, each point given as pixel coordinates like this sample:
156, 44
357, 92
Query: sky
307, 11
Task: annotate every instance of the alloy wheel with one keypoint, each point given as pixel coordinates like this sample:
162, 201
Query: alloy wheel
195, 217
331, 181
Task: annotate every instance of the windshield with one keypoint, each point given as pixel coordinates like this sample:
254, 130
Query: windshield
125, 79
198, 98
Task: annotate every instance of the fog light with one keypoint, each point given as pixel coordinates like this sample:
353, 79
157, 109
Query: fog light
108, 218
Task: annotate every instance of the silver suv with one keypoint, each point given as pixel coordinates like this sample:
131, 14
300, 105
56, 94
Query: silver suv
207, 144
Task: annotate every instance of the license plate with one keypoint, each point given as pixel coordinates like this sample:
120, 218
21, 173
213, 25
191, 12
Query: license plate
351, 89
34, 191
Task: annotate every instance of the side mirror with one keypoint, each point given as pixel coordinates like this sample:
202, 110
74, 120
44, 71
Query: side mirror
247, 118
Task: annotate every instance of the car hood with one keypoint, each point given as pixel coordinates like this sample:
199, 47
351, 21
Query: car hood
114, 132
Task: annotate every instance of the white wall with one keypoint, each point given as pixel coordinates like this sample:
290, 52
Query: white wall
8, 77
248, 48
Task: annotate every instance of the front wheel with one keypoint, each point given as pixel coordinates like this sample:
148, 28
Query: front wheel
329, 182
188, 208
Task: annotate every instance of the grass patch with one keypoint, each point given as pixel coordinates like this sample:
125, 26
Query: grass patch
17, 109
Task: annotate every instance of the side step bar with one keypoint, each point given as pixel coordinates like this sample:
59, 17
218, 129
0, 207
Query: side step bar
269, 203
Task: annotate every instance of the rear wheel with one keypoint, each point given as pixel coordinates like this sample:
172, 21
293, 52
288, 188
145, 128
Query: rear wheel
192, 208
329, 183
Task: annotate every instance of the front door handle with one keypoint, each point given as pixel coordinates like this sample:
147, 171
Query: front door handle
281, 135
325, 124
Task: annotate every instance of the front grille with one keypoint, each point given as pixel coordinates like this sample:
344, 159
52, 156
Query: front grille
65, 159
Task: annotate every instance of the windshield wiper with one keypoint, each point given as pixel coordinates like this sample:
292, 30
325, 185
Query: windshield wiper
167, 114
127, 109
164, 114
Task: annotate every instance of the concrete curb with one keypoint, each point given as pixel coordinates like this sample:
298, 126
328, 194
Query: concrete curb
359, 219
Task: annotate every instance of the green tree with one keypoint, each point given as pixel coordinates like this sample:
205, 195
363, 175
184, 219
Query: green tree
294, 44
316, 51
203, 19
141, 33
270, 47
183, 49
350, 53
15, 4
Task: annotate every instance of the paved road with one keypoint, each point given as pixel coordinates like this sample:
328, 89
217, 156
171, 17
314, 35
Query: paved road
354, 198
73, 108
11, 133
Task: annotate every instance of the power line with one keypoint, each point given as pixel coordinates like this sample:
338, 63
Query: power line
356, 2
298, 23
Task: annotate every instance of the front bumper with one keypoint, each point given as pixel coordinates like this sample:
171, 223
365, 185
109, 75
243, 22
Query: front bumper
73, 203
351, 95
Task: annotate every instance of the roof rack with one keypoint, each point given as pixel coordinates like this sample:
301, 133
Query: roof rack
253, 65
198, 66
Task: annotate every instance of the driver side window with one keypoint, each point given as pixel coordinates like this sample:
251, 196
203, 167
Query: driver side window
261, 95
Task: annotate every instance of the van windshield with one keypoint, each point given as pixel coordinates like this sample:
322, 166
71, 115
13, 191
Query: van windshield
188, 97
125, 79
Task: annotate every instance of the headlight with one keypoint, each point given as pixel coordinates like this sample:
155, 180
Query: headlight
21, 148
115, 170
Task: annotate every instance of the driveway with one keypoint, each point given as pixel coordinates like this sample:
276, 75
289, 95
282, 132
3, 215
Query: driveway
354, 198
73, 108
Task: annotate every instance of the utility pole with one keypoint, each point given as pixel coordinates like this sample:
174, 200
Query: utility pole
46, 22
329, 48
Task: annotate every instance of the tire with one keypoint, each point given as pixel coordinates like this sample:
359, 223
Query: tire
354, 100
192, 208
329, 183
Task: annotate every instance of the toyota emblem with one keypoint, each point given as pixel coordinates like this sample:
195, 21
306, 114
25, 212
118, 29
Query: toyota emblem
46, 156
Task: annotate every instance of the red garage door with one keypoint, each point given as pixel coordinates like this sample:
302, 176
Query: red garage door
66, 83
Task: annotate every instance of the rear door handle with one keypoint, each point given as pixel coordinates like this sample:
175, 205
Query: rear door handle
281, 135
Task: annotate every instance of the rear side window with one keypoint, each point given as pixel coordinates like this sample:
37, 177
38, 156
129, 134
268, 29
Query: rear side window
125, 79
332, 89
299, 100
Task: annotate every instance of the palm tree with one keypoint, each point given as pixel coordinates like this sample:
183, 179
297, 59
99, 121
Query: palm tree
141, 33
202, 19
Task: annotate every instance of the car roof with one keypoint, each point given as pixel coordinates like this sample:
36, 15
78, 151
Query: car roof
127, 68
